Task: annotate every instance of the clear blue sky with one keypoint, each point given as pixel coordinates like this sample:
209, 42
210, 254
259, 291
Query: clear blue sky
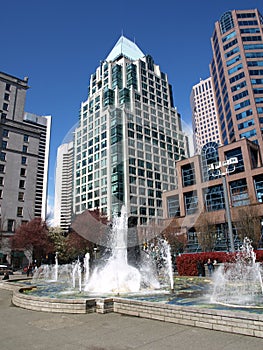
59, 44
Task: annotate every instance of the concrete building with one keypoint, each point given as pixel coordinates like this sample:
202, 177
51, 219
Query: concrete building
237, 73
24, 154
204, 115
201, 190
129, 137
64, 186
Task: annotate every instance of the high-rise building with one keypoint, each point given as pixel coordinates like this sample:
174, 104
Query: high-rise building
64, 186
225, 179
237, 72
204, 116
24, 154
129, 137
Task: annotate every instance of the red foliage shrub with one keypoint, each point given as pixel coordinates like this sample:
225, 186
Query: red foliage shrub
187, 263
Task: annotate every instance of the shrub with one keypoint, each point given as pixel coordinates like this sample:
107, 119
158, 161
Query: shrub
187, 263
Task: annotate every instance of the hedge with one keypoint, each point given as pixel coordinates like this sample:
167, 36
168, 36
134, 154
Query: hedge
187, 263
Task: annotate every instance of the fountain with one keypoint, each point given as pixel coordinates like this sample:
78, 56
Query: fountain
114, 275
239, 283
115, 286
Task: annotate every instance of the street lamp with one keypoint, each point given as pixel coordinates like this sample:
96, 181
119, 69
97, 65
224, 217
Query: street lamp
219, 166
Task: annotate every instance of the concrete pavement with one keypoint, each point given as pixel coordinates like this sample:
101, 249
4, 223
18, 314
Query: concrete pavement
25, 329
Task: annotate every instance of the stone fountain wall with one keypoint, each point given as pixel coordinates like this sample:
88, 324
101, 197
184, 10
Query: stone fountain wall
221, 320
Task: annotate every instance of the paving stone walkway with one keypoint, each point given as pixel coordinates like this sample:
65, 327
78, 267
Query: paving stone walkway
26, 329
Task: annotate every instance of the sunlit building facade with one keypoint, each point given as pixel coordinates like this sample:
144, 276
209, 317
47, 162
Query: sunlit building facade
200, 191
24, 157
63, 186
204, 115
206, 184
237, 73
129, 137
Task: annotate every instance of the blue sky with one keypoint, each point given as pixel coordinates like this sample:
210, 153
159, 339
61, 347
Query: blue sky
59, 44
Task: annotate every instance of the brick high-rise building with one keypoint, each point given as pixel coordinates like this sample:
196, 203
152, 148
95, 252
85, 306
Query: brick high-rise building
237, 73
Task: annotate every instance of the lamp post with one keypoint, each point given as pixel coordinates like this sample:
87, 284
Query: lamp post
228, 215
219, 166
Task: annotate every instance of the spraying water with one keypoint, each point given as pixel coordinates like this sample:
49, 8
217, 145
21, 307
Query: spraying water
56, 267
77, 274
86, 268
239, 283
115, 275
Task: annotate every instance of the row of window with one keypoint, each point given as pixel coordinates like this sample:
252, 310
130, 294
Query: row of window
3, 158
11, 223
213, 197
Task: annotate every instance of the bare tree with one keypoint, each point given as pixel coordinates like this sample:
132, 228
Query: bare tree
206, 232
249, 224
175, 237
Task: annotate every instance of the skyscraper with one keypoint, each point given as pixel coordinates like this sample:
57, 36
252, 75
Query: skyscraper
24, 154
237, 72
63, 186
204, 116
207, 183
129, 137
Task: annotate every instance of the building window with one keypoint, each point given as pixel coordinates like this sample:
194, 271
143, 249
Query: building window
173, 206
214, 198
239, 193
22, 184
192, 240
1, 181
4, 144
239, 167
188, 175
151, 212
26, 138
22, 172
19, 211
2, 168
24, 150
226, 22
191, 202
209, 155
5, 106
258, 183
23, 160
5, 133
142, 210
21, 196
2, 156
10, 225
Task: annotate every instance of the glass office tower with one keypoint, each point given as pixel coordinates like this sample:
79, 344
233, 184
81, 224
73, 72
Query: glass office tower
129, 137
